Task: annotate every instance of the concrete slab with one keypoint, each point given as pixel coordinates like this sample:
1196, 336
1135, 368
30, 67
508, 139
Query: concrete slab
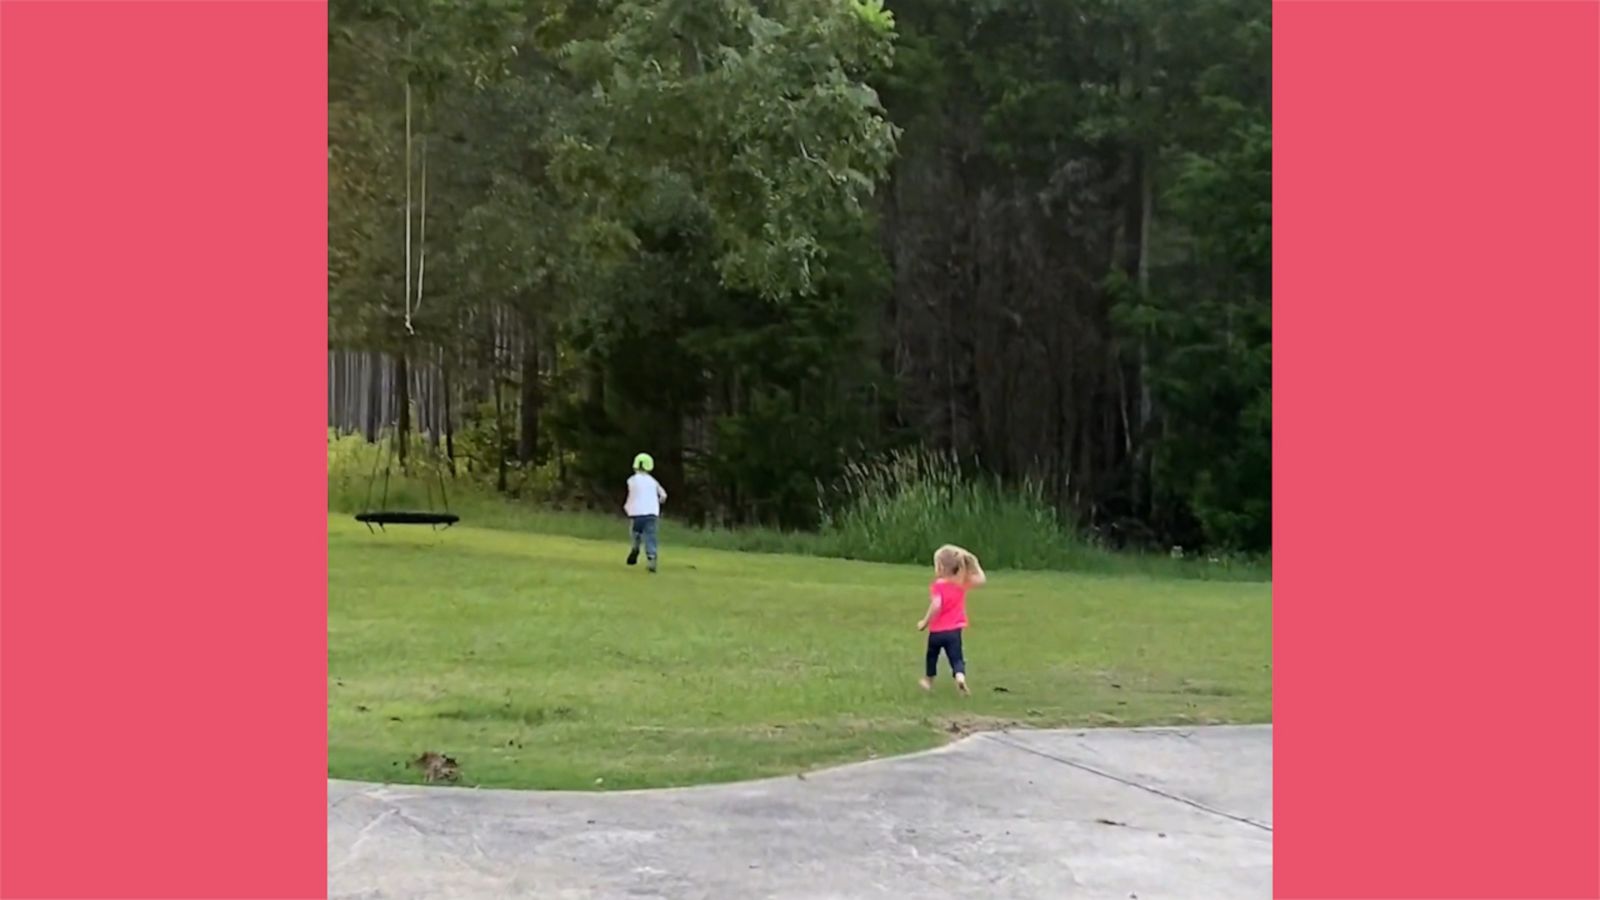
1112, 814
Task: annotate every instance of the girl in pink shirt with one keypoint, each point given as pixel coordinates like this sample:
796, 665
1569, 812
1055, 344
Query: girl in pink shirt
955, 571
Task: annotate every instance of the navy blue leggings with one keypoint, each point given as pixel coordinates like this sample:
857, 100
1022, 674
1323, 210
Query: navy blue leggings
950, 643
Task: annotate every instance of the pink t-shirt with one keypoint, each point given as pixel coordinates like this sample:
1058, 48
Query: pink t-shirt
952, 612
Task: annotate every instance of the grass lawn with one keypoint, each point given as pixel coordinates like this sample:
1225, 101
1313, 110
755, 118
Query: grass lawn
543, 662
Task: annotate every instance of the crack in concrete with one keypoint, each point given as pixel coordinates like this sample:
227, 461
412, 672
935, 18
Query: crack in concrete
1001, 738
361, 838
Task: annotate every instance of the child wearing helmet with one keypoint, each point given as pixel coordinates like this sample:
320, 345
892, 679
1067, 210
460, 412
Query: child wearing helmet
645, 496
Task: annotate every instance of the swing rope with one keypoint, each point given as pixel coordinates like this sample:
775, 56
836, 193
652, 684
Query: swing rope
383, 515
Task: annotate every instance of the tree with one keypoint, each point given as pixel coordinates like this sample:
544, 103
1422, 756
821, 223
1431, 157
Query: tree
389, 63
759, 237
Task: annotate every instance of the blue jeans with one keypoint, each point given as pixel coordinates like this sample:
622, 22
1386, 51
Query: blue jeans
644, 528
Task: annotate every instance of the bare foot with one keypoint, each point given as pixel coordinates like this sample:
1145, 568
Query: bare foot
961, 685
925, 684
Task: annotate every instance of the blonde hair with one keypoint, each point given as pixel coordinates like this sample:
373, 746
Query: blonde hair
954, 563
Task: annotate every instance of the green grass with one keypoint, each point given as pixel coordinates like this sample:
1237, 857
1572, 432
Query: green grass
897, 509
542, 661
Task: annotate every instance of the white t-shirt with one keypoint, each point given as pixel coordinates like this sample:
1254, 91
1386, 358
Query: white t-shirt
645, 495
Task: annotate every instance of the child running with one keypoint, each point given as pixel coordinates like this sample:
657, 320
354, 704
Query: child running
645, 496
955, 571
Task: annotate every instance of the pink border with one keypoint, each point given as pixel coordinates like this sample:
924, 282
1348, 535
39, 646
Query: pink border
163, 634
1437, 309
162, 274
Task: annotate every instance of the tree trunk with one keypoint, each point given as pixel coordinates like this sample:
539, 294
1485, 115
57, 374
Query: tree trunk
1141, 461
434, 428
403, 413
532, 400
500, 482
449, 425
1147, 215
1142, 475
372, 365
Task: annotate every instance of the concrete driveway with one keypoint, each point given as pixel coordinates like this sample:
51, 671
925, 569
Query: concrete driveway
1141, 814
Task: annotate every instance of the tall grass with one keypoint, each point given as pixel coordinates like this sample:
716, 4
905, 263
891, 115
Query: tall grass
894, 509
363, 477
900, 507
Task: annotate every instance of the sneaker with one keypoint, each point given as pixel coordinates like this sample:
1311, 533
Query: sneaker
652, 566
633, 558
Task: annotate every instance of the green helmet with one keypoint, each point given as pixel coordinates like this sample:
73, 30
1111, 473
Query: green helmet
644, 463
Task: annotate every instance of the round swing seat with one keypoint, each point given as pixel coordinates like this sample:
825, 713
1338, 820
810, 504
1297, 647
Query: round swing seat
398, 517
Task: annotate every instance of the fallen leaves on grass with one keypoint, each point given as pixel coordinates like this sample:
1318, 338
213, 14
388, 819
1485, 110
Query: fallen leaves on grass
437, 767
966, 725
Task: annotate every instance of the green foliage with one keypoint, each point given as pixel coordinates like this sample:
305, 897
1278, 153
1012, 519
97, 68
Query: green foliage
1211, 332
905, 493
665, 226
358, 480
429, 43
758, 109
392, 65
906, 504
903, 505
